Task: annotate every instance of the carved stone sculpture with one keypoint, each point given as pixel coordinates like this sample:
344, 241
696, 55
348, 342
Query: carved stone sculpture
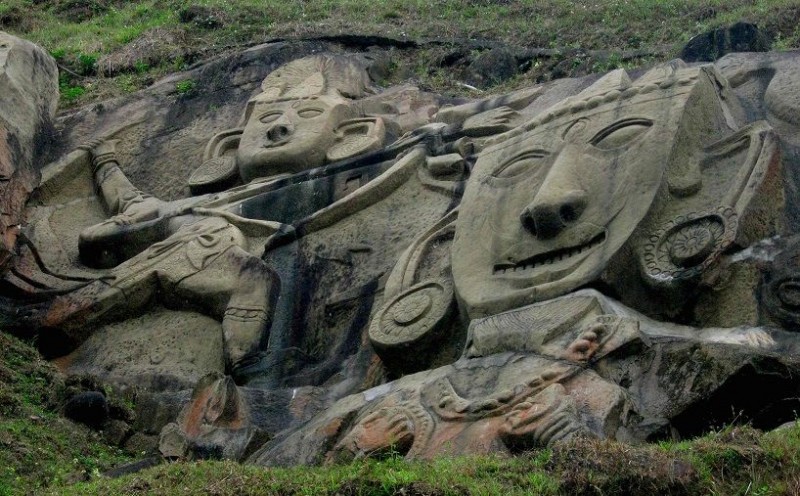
623, 174
357, 272
580, 194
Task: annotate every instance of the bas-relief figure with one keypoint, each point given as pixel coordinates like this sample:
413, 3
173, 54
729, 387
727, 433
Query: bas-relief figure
592, 280
200, 251
636, 188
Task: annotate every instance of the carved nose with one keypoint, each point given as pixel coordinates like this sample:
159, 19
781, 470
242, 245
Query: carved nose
279, 132
550, 213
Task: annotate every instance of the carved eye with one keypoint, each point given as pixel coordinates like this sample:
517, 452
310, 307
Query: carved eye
620, 133
308, 113
520, 163
270, 116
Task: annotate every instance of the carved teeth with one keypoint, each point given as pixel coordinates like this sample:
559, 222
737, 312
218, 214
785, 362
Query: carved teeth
548, 258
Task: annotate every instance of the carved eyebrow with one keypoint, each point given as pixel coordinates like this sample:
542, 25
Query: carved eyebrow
620, 133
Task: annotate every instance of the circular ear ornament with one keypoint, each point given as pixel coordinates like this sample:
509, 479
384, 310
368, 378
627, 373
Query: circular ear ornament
413, 317
684, 247
215, 174
779, 291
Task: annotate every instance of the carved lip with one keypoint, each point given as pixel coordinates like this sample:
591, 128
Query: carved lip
275, 144
549, 258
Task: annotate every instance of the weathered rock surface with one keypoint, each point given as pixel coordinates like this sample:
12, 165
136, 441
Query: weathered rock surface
294, 265
28, 100
739, 37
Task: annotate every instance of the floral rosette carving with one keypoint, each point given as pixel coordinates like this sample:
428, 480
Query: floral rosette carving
687, 245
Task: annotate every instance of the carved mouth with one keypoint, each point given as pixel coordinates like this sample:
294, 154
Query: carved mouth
273, 144
548, 258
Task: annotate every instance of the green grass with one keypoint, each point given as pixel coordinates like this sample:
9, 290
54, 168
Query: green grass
38, 448
445, 476
130, 30
734, 461
185, 87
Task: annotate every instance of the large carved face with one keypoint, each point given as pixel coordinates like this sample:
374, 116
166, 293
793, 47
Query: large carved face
288, 136
544, 212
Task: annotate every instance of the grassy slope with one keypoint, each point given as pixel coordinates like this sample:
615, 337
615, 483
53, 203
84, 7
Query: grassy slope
38, 448
142, 40
734, 461
146, 39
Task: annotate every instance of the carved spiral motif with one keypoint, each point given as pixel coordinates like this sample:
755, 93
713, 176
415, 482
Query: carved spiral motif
685, 246
412, 315
780, 295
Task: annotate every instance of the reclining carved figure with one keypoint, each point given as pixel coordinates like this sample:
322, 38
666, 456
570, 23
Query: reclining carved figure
198, 252
205, 252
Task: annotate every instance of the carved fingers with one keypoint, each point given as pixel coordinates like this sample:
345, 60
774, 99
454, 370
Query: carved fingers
546, 418
587, 344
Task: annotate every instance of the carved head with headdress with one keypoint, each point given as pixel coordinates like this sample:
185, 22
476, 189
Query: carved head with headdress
653, 175
304, 117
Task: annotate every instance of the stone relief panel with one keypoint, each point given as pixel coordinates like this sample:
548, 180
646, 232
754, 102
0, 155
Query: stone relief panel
350, 271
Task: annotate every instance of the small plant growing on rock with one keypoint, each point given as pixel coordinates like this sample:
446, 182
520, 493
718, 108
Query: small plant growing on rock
185, 87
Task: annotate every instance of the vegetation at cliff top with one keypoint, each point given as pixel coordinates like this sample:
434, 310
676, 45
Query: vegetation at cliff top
111, 47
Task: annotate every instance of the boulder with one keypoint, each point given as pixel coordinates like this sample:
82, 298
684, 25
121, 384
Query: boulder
28, 100
740, 37
90, 408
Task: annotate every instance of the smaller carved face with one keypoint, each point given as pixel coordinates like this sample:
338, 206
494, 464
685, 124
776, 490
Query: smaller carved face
289, 136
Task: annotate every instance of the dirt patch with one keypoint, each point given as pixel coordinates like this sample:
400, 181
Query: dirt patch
16, 19
79, 10
202, 17
783, 25
602, 467
152, 48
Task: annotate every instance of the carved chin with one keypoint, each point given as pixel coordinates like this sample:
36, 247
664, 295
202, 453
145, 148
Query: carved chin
277, 159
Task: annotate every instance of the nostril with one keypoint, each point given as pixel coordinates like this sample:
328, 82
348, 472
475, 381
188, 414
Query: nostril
527, 220
568, 213
550, 214
278, 133
572, 206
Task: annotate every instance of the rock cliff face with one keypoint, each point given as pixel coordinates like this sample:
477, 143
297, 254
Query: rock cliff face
293, 265
28, 100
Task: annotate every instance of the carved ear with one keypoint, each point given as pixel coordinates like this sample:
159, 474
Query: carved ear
736, 156
729, 193
357, 136
223, 143
218, 170
741, 172
749, 157
419, 302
